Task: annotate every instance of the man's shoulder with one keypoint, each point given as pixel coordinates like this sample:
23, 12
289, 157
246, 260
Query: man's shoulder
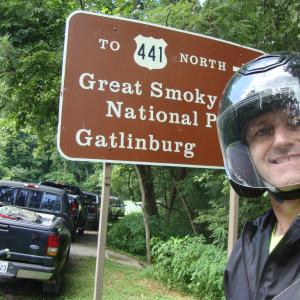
263, 220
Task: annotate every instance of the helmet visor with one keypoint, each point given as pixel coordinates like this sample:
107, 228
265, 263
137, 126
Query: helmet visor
260, 138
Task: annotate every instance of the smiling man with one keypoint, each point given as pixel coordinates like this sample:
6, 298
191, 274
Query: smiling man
259, 132
273, 140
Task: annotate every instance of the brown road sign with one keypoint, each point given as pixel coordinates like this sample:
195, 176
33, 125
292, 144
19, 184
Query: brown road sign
138, 93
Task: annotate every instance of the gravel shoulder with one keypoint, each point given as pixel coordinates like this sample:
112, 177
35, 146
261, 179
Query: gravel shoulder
86, 245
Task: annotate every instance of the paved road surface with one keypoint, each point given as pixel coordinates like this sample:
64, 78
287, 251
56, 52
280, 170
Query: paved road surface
86, 245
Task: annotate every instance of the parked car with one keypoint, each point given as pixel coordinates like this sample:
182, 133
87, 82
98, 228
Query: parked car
117, 208
93, 208
35, 230
78, 207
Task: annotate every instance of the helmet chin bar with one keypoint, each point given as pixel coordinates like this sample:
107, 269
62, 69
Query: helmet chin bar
245, 191
281, 196
278, 195
291, 192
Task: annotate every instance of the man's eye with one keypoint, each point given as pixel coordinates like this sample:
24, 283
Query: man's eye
262, 132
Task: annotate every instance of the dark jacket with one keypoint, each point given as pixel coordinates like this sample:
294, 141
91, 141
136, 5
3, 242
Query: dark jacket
252, 274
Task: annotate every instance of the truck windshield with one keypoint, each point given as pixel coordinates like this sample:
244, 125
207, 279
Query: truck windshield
30, 198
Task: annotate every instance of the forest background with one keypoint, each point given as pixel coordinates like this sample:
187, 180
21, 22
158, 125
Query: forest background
186, 207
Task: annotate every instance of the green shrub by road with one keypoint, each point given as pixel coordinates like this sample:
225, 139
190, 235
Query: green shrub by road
186, 262
191, 265
128, 234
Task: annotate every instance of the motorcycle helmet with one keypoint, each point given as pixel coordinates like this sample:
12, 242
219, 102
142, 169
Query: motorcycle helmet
269, 83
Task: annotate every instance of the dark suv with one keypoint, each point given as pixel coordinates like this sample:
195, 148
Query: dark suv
93, 208
78, 208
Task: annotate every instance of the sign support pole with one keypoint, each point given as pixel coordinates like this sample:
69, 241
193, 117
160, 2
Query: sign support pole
102, 231
233, 220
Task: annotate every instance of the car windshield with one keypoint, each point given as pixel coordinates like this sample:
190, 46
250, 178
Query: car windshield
30, 198
90, 199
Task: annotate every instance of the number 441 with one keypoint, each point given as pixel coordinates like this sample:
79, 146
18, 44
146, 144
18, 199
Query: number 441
154, 53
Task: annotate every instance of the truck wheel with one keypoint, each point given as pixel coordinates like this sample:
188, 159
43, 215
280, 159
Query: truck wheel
80, 231
73, 235
68, 254
52, 286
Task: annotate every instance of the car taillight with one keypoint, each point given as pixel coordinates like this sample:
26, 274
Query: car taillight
74, 206
52, 244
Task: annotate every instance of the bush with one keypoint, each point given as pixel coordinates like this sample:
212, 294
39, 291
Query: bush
191, 265
128, 233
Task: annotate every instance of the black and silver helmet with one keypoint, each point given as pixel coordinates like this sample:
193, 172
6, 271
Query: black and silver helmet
270, 82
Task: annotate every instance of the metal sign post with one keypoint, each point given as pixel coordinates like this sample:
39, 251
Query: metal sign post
233, 220
102, 231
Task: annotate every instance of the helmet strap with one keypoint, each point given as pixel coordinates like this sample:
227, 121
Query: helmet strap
281, 196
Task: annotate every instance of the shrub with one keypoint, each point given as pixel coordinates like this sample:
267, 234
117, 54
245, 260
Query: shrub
191, 265
128, 233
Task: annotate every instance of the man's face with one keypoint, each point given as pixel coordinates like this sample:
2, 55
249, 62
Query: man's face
274, 143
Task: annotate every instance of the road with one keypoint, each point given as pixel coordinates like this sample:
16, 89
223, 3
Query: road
85, 245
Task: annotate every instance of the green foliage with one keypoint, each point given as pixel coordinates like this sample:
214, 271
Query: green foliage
31, 41
23, 158
17, 160
191, 265
214, 217
177, 224
125, 182
88, 176
178, 14
60, 176
128, 233
250, 209
93, 182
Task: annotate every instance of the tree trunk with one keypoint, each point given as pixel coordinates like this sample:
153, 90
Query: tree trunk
130, 187
177, 176
147, 183
172, 201
187, 209
145, 214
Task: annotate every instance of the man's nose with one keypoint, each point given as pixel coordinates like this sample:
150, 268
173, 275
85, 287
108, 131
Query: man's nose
283, 136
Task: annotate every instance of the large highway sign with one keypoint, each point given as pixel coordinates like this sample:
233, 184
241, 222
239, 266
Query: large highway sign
138, 93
